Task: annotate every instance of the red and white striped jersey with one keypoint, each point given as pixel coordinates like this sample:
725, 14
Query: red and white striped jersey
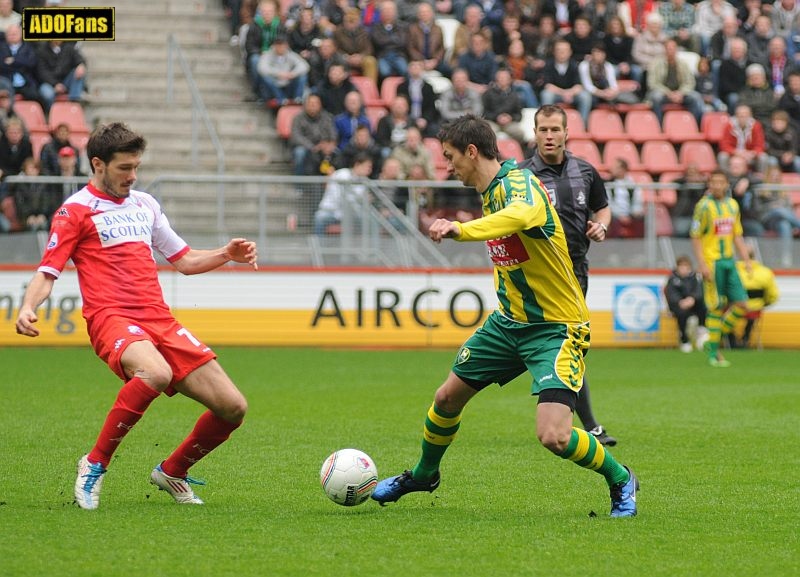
111, 242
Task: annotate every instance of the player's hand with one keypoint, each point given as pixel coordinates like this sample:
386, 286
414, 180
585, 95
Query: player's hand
25, 322
595, 231
443, 228
244, 251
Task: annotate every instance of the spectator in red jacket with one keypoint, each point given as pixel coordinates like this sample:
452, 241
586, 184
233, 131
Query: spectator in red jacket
744, 137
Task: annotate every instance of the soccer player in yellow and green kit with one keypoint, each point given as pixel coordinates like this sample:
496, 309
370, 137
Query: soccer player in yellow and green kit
716, 230
541, 325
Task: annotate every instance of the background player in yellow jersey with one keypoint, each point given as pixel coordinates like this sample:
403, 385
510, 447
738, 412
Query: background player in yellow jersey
716, 230
762, 291
541, 325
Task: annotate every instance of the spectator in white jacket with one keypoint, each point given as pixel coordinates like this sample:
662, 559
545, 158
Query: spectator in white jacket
709, 15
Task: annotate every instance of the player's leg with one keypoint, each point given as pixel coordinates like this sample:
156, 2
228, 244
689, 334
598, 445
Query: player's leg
714, 309
146, 374
733, 288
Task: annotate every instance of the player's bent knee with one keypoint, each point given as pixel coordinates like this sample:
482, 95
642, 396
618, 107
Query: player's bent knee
553, 440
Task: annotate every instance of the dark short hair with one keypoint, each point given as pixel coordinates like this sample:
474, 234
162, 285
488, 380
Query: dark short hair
470, 129
549, 110
108, 139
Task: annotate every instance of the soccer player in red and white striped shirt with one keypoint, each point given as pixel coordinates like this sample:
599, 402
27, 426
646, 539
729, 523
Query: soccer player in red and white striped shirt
109, 230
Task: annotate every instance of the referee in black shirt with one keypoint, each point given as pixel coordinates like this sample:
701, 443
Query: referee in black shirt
579, 196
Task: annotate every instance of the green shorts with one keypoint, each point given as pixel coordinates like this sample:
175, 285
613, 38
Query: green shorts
726, 288
502, 349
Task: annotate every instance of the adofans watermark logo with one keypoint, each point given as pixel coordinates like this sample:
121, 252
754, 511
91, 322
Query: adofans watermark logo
68, 24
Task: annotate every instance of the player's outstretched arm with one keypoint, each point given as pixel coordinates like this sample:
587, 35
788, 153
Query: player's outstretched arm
200, 261
38, 290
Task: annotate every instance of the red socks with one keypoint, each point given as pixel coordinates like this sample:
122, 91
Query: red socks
132, 401
208, 434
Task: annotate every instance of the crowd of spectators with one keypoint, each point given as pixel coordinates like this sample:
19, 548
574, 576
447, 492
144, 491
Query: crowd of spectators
496, 58
33, 76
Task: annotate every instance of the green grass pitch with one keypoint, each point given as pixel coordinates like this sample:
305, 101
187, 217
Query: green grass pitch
716, 452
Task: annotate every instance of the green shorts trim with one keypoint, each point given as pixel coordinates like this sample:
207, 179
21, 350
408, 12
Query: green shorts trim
502, 349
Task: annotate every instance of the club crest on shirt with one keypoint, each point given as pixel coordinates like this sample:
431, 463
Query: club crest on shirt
463, 355
580, 198
134, 330
53, 242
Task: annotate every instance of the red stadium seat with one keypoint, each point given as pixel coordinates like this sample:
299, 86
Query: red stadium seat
575, 126
284, 118
368, 89
510, 148
713, 125
587, 150
680, 126
642, 125
605, 125
624, 149
659, 156
38, 140
31, 113
699, 153
70, 113
668, 196
434, 146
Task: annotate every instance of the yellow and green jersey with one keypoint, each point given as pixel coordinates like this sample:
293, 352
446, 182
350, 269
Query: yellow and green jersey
716, 223
532, 269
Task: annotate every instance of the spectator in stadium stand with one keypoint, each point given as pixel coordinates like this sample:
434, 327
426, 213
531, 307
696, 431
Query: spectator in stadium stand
68, 162
777, 213
460, 99
779, 65
635, 12
8, 16
563, 12
320, 61
362, 142
562, 81
260, 35
306, 34
351, 118
678, 17
332, 15
335, 87
581, 39
355, 45
309, 129
421, 99
758, 41
502, 107
35, 202
479, 62
720, 45
648, 46
509, 33
18, 64
599, 79
619, 50
783, 142
709, 15
599, 12
790, 101
390, 42
690, 188
671, 81
732, 73
706, 86
413, 155
61, 70
6, 107
626, 200
758, 94
426, 41
391, 130
744, 137
50, 151
15, 147
749, 10
293, 14
284, 74
784, 14
370, 13
472, 24
522, 73
743, 183
340, 191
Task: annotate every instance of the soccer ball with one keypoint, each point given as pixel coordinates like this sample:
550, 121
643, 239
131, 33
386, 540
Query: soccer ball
348, 477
